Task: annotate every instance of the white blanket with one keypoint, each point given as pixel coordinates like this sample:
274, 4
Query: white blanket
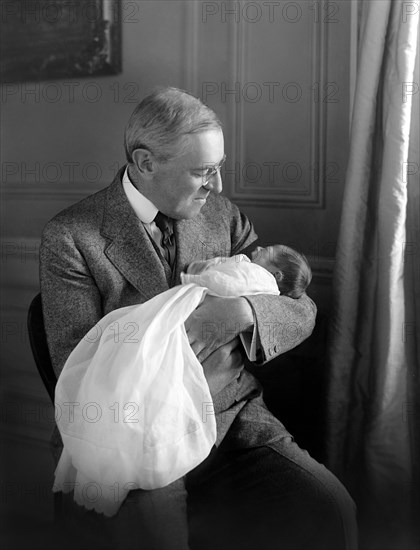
132, 404
231, 277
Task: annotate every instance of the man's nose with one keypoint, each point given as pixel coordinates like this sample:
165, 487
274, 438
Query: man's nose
215, 183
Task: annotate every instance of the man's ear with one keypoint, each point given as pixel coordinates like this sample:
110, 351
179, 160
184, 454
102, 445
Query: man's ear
279, 276
144, 161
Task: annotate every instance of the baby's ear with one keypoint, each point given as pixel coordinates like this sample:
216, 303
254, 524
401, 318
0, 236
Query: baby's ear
279, 276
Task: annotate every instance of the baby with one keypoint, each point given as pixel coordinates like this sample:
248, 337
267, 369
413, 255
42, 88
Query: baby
237, 275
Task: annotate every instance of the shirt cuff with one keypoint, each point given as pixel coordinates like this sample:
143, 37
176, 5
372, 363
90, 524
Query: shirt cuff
251, 343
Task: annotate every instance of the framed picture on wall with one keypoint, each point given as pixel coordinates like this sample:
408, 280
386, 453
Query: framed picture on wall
51, 39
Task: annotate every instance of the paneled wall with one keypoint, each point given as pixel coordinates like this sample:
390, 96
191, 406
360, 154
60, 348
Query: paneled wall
277, 73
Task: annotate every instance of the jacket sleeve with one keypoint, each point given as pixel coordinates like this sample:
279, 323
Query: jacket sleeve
281, 323
71, 301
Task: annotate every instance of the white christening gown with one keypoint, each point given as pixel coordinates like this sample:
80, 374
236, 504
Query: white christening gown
132, 402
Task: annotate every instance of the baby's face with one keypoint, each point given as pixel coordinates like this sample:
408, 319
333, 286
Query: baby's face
264, 257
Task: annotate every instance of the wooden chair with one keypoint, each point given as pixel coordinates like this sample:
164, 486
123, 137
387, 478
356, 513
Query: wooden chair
41, 354
39, 347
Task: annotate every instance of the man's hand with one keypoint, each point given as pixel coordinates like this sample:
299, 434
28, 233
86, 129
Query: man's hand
215, 322
223, 365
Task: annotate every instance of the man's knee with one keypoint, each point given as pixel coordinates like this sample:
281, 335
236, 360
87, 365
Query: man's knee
272, 496
325, 506
329, 514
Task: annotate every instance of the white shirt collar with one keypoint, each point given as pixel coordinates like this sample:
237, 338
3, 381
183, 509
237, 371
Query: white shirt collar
145, 210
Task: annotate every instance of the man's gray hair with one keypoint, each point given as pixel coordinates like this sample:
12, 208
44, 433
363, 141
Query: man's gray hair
162, 119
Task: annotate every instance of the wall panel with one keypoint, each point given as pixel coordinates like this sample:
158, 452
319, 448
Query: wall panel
55, 152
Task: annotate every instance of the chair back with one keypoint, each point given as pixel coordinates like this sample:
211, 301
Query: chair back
39, 346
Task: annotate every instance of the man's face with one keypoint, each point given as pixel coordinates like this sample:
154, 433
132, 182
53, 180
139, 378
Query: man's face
177, 188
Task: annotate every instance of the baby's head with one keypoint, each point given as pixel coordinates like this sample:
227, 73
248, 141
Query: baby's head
291, 269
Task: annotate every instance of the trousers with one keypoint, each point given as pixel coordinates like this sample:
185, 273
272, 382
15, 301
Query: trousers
257, 489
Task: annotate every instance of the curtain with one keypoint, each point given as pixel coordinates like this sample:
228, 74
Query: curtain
374, 346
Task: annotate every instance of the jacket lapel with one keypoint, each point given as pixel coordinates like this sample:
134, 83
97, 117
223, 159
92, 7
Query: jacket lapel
130, 248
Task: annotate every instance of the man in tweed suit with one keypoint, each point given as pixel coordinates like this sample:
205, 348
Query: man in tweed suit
257, 488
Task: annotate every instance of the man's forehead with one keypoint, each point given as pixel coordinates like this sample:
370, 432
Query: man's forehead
205, 147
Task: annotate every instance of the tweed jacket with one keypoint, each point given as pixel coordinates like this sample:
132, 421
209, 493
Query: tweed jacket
96, 256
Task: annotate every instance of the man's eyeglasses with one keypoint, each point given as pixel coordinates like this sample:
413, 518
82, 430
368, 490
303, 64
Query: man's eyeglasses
211, 172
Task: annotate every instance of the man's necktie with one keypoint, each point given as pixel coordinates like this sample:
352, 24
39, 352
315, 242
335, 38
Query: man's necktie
168, 239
